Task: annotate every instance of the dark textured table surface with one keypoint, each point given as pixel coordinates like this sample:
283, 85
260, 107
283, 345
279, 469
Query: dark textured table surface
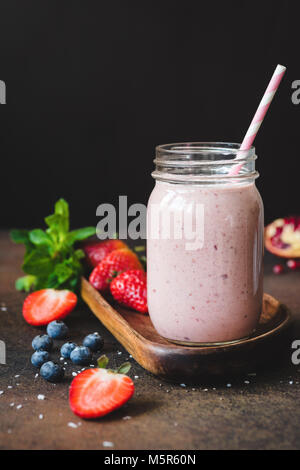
261, 414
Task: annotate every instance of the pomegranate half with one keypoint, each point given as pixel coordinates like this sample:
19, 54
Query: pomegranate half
282, 237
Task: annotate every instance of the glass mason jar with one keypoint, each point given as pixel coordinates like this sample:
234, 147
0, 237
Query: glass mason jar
204, 244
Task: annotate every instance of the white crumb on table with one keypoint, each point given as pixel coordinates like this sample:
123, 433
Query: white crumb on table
107, 444
72, 425
41, 397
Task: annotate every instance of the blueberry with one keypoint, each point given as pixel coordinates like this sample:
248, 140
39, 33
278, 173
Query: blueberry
57, 329
43, 342
39, 357
94, 341
66, 349
81, 355
52, 372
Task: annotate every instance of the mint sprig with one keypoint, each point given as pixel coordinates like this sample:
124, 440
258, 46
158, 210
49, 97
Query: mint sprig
51, 260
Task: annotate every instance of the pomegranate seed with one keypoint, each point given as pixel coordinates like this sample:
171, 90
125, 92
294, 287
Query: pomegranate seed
278, 269
293, 264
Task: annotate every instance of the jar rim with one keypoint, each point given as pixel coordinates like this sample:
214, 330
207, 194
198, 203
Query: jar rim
204, 162
193, 153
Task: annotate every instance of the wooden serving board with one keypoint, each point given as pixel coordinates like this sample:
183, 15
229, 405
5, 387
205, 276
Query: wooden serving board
190, 364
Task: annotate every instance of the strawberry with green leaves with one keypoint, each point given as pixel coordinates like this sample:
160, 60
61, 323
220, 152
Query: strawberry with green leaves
114, 263
51, 259
99, 391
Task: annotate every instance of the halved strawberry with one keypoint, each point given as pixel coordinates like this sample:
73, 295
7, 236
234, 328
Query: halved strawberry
130, 289
43, 306
115, 262
96, 251
97, 392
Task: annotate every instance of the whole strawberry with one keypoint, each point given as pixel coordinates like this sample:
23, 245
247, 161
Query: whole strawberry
114, 263
130, 289
95, 252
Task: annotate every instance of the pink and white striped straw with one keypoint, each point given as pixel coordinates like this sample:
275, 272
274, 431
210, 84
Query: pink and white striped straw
260, 114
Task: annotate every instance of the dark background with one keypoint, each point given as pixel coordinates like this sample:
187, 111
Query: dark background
94, 86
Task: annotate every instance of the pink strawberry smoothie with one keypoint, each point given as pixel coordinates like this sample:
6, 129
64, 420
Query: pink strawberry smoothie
212, 294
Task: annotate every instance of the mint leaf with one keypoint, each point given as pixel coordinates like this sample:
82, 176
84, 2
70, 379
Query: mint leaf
38, 262
39, 237
62, 209
19, 236
63, 272
80, 234
58, 222
22, 236
25, 283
